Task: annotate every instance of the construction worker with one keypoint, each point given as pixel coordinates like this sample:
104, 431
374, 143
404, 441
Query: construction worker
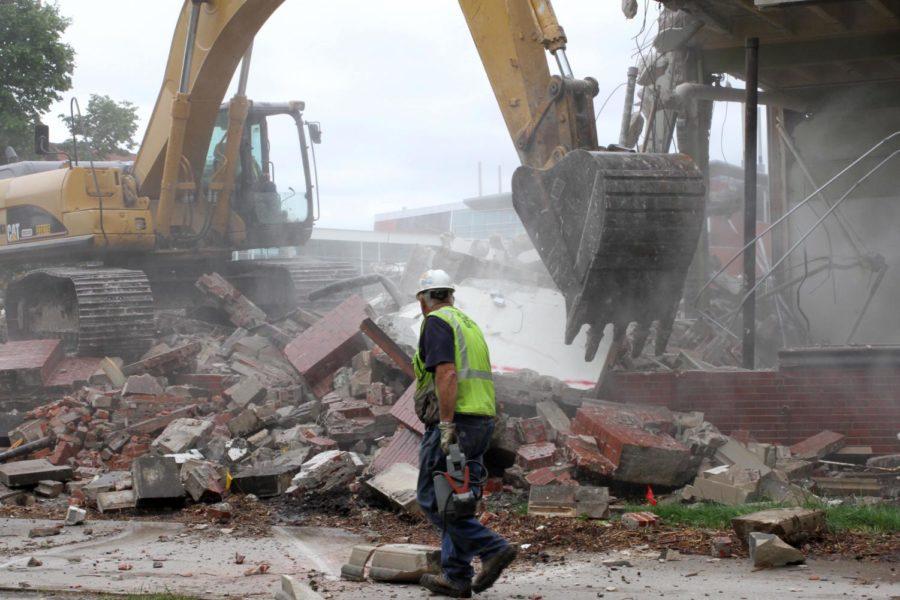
455, 401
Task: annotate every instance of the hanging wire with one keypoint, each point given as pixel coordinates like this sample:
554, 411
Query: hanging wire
815, 225
608, 98
795, 208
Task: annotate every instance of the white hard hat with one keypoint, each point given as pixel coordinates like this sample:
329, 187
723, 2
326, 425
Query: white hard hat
435, 279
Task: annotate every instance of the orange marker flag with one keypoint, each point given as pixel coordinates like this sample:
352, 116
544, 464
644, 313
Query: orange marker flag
650, 497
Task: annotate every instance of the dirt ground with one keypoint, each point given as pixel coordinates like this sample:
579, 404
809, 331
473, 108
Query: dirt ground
187, 552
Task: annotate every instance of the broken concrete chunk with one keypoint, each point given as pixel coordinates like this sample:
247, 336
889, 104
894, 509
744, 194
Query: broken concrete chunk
157, 482
398, 484
819, 445
794, 525
181, 435
735, 453
403, 563
204, 481
556, 419
29, 431
888, 461
49, 489
112, 371
326, 471
246, 391
355, 568
75, 516
111, 501
106, 482
145, 385
270, 478
31, 472
568, 501
294, 589
245, 423
768, 550
795, 468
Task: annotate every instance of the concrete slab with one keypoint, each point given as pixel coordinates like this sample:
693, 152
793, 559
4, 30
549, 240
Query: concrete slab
28, 363
31, 472
157, 481
196, 564
793, 525
398, 483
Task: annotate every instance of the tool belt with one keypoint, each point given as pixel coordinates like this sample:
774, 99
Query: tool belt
427, 408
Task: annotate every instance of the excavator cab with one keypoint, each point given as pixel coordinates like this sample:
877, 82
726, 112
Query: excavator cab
274, 217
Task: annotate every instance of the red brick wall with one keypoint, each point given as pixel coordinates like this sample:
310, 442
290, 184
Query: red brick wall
780, 406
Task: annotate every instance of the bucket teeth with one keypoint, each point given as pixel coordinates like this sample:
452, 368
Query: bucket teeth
617, 231
639, 338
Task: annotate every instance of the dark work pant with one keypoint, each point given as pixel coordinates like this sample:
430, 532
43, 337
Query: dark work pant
465, 539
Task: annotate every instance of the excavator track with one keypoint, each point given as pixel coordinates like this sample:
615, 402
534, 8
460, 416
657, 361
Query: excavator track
310, 274
95, 311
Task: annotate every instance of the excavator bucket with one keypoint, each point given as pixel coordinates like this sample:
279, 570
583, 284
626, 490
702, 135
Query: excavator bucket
617, 231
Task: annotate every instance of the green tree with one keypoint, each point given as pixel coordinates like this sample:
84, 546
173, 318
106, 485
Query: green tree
35, 67
108, 127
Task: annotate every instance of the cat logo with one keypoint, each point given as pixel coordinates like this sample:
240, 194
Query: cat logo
12, 232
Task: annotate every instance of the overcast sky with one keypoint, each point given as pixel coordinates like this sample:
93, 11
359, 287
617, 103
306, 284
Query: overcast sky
406, 109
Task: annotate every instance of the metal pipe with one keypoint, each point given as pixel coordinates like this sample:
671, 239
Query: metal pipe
189, 46
245, 71
809, 232
562, 61
687, 92
789, 144
28, 448
796, 207
751, 76
629, 106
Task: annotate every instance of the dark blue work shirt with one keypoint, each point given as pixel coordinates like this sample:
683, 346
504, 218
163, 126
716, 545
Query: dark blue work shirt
436, 344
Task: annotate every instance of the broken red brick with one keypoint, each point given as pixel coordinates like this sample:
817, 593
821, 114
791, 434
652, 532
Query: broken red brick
819, 445
352, 409
587, 456
330, 342
637, 520
63, 452
639, 456
241, 311
532, 431
559, 475
164, 362
535, 456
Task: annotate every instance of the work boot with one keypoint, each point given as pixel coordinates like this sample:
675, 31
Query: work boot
439, 584
492, 567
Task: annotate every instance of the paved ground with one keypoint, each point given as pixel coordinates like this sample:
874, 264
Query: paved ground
201, 563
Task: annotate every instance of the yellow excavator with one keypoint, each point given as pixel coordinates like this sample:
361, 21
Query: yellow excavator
617, 230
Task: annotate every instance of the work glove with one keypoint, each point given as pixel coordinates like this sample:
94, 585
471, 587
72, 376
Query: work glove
448, 436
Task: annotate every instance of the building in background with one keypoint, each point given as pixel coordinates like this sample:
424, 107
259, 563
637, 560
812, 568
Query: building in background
475, 218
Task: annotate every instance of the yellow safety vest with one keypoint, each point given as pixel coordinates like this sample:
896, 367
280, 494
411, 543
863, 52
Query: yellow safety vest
475, 382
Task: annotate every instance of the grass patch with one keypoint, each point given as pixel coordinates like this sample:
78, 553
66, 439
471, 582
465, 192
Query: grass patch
880, 518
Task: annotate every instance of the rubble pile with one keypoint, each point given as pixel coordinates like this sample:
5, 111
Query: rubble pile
307, 405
